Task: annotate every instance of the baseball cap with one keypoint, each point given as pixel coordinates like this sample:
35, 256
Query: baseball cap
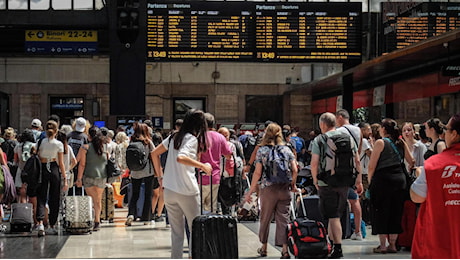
36, 123
80, 124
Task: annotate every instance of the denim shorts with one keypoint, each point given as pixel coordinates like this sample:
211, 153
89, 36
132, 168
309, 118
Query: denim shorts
90, 182
352, 195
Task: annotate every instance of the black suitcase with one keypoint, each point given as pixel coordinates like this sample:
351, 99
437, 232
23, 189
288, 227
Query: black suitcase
313, 211
214, 236
346, 222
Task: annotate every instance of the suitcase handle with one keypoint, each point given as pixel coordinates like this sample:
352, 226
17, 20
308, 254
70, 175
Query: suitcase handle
301, 204
82, 190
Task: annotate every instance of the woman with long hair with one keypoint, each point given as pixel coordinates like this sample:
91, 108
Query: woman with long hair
92, 161
416, 147
51, 153
434, 128
181, 191
146, 175
274, 197
387, 184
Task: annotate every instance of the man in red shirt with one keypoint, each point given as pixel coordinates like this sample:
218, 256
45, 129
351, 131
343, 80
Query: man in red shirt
437, 231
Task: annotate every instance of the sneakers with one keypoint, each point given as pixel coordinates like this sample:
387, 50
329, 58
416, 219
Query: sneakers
357, 236
151, 222
41, 230
129, 221
336, 254
159, 218
96, 226
50, 231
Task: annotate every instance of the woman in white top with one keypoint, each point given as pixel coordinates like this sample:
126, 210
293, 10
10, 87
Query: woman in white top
51, 153
181, 191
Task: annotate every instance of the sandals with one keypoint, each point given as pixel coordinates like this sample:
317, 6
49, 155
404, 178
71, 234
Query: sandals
285, 255
262, 253
392, 251
378, 250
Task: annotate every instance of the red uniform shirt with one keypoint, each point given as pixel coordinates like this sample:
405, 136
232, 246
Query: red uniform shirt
437, 231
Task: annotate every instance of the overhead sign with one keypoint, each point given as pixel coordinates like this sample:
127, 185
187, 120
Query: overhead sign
451, 70
246, 31
61, 41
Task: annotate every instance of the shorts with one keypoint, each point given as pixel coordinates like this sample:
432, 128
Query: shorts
90, 182
332, 201
156, 184
352, 195
32, 189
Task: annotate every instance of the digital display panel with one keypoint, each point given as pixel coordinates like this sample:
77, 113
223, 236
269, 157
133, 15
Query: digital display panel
404, 25
248, 31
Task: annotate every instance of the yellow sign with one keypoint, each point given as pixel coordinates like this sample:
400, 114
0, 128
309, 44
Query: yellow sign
61, 36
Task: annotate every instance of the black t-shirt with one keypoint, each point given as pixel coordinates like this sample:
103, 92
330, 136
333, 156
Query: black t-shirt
76, 139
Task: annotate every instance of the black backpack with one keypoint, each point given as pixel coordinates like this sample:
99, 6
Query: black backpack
136, 156
32, 171
8, 148
249, 146
337, 167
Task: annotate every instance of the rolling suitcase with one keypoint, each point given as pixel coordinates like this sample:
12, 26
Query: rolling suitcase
140, 200
214, 236
313, 212
307, 238
408, 220
108, 205
117, 196
79, 217
21, 219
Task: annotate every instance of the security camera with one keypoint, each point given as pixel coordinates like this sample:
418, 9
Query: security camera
127, 45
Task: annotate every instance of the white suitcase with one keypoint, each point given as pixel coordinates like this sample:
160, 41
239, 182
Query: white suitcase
79, 216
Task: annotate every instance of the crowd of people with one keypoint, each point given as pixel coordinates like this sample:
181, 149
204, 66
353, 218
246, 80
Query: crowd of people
197, 154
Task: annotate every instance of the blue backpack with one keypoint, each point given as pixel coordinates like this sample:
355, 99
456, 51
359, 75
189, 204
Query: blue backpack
298, 143
278, 168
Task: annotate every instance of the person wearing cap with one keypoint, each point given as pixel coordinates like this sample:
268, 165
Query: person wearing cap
36, 126
77, 138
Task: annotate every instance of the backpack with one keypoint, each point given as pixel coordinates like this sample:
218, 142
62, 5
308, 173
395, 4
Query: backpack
26, 150
308, 239
337, 167
8, 148
248, 146
136, 156
32, 171
298, 143
277, 169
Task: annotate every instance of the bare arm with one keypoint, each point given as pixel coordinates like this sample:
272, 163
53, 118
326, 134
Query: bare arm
416, 198
314, 169
155, 156
81, 158
197, 164
255, 178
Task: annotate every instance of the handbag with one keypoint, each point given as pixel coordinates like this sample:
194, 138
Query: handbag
112, 168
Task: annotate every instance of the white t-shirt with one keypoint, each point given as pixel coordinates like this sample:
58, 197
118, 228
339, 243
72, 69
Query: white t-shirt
49, 148
179, 177
363, 158
68, 158
355, 132
420, 186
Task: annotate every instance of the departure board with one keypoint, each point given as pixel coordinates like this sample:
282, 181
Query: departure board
420, 22
249, 31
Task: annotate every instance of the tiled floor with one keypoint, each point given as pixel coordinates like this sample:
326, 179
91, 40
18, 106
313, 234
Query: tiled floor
114, 240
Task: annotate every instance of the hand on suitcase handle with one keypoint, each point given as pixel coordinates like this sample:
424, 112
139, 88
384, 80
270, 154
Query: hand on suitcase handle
206, 169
